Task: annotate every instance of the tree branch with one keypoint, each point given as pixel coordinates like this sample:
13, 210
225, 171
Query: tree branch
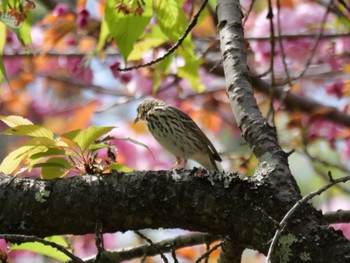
305, 199
294, 101
177, 198
261, 137
148, 250
339, 216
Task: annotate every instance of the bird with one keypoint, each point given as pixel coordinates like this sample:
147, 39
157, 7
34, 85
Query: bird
177, 133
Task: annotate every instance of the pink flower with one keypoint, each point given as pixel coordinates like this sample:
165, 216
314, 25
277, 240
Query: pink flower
77, 68
125, 77
336, 88
83, 18
114, 68
323, 129
345, 154
61, 10
304, 18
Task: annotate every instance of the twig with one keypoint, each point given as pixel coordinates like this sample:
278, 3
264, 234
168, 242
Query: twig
283, 54
207, 254
22, 238
248, 12
207, 245
317, 40
289, 214
298, 36
152, 244
165, 245
271, 112
326, 164
175, 46
173, 254
99, 240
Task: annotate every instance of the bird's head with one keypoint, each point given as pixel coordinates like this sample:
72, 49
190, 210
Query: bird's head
145, 106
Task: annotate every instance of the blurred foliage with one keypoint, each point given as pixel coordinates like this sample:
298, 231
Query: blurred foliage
60, 70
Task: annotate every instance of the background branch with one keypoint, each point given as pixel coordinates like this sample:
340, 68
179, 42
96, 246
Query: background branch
151, 250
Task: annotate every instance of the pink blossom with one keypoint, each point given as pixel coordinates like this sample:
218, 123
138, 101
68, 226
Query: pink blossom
37, 36
61, 10
336, 88
12, 43
345, 153
125, 77
77, 68
304, 18
114, 68
83, 18
323, 129
13, 65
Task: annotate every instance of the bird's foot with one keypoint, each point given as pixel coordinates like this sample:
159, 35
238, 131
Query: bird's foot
178, 164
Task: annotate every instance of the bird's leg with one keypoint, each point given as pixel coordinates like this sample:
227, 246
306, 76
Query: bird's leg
177, 164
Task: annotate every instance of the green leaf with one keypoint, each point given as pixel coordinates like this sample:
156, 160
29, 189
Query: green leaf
71, 135
94, 147
29, 130
40, 141
4, 4
161, 68
24, 31
104, 34
48, 152
143, 46
54, 168
190, 72
2, 45
13, 159
126, 29
119, 167
45, 250
9, 22
86, 137
171, 18
14, 120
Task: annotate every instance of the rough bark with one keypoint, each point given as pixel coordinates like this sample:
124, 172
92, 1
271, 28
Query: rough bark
246, 209
223, 204
294, 246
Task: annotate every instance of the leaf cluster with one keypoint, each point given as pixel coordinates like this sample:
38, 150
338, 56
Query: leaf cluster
56, 155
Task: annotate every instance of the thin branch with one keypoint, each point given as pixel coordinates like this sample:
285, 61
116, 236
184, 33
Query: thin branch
289, 214
99, 239
207, 254
283, 53
152, 244
166, 245
317, 40
173, 254
298, 36
270, 15
248, 12
23, 238
297, 102
75, 83
175, 46
326, 164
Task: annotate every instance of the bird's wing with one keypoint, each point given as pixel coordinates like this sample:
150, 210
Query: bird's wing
194, 128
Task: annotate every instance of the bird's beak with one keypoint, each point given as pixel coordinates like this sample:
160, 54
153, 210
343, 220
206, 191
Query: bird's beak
136, 120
